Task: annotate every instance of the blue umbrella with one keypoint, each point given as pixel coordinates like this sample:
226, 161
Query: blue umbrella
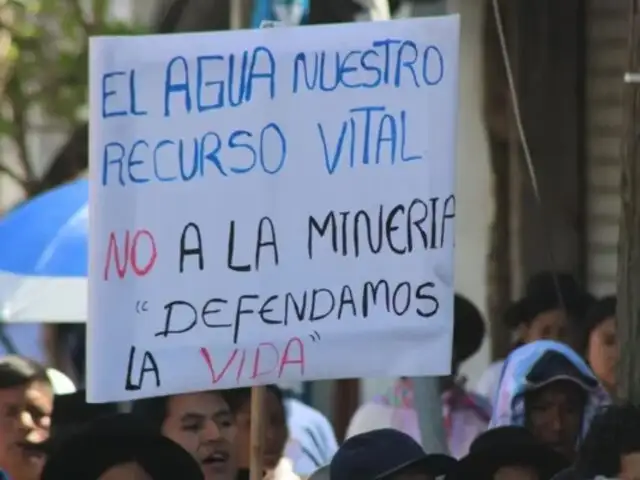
44, 257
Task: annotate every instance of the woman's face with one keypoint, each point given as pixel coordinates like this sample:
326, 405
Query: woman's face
602, 352
550, 325
276, 432
554, 415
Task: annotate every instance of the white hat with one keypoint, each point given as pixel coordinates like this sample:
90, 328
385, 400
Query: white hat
62, 385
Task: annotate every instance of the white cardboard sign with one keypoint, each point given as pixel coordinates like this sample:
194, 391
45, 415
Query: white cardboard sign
271, 205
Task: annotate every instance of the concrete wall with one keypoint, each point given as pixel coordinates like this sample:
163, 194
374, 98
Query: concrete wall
474, 200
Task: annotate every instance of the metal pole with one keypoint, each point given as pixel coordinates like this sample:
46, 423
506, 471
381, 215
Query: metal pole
428, 405
235, 14
426, 390
240, 14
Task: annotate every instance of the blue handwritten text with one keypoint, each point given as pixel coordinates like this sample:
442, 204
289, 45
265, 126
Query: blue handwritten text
122, 107
399, 63
186, 159
370, 135
212, 88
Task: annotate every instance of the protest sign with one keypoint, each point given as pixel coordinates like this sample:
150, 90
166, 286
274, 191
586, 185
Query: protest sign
271, 205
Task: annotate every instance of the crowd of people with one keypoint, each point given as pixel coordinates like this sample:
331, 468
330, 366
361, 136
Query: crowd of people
543, 412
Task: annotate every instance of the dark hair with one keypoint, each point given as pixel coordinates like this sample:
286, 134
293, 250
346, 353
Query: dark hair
238, 397
613, 433
600, 311
114, 440
18, 371
567, 474
541, 295
152, 410
468, 328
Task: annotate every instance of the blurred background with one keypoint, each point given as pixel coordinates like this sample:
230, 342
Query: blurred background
568, 59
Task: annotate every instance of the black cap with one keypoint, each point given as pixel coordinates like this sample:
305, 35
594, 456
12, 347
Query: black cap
118, 439
553, 366
377, 454
508, 446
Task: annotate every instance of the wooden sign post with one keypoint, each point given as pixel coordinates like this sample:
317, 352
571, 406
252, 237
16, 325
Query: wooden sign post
258, 394
258, 425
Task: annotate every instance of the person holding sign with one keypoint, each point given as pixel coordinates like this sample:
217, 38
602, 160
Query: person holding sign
201, 423
276, 433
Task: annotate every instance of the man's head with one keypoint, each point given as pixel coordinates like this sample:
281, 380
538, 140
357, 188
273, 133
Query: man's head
26, 403
387, 454
201, 423
611, 448
554, 415
276, 429
555, 401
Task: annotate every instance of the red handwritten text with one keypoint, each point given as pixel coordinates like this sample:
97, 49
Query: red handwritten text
128, 255
264, 360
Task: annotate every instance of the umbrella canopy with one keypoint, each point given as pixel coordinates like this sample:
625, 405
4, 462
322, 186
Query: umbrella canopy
44, 257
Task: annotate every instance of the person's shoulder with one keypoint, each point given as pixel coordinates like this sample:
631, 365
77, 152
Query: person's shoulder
480, 400
300, 412
372, 416
488, 381
493, 370
311, 428
478, 404
284, 471
298, 407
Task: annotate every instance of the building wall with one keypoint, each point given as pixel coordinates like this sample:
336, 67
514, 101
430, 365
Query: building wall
474, 200
606, 32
